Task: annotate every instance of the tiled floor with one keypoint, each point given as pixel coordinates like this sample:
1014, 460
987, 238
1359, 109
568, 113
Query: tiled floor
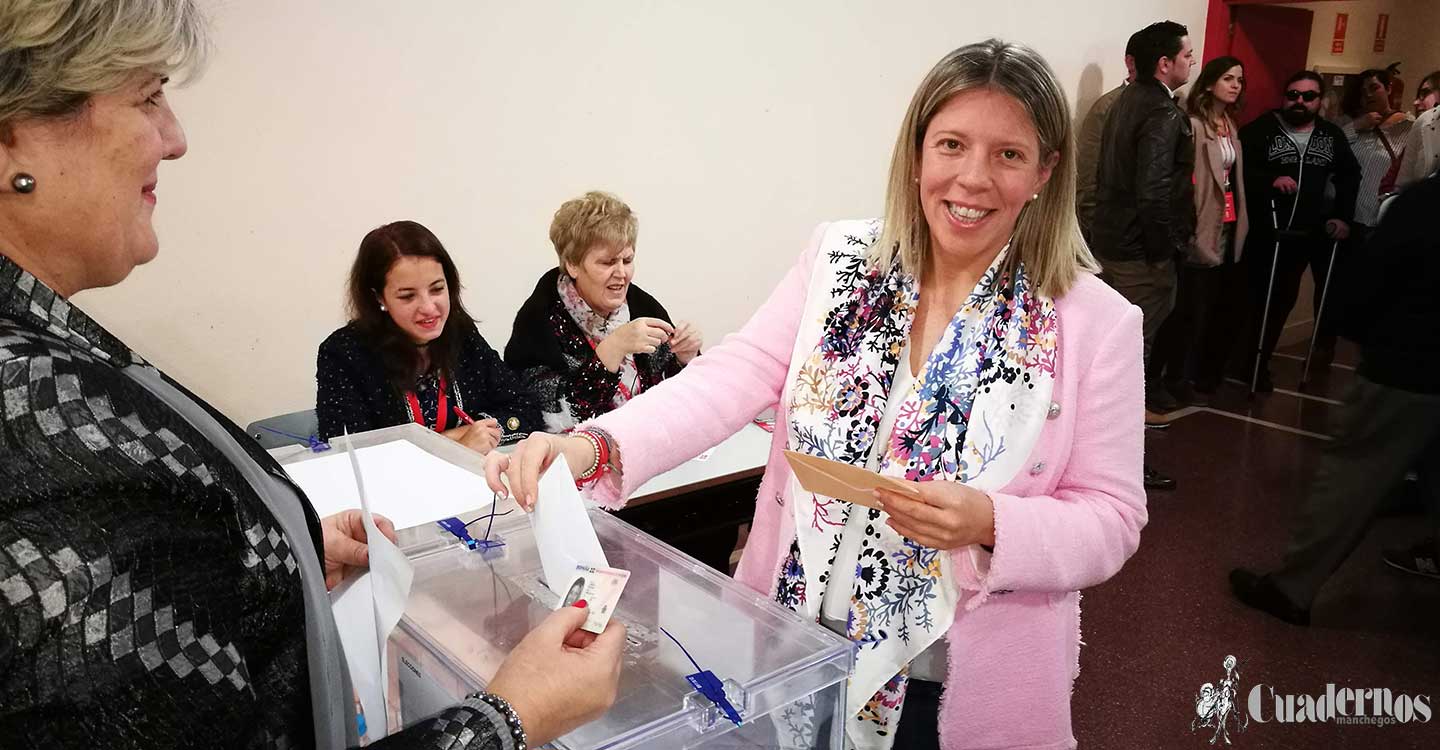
1161, 628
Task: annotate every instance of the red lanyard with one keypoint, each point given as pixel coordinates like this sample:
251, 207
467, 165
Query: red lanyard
623, 390
441, 412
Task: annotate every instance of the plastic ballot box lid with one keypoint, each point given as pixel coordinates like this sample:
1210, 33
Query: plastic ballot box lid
468, 608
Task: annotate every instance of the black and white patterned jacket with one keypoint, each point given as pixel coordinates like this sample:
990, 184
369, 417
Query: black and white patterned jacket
148, 597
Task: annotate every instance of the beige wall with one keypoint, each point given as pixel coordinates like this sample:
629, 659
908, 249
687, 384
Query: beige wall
732, 128
1413, 36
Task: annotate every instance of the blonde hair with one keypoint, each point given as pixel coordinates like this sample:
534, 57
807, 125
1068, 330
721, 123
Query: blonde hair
594, 218
56, 54
1047, 235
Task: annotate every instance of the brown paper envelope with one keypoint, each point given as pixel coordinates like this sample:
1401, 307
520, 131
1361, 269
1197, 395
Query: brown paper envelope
843, 481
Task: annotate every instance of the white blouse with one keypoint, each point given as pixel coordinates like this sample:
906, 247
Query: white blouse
1227, 155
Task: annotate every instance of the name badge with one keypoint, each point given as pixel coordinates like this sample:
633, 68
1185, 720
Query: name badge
1230, 216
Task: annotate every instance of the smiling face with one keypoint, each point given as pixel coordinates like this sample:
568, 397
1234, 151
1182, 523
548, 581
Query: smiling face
980, 162
417, 297
603, 277
96, 174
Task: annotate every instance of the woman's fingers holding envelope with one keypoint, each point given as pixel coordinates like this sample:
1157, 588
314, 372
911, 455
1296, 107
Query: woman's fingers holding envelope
946, 515
523, 467
496, 464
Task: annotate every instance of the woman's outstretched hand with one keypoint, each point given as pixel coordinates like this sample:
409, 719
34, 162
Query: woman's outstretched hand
522, 467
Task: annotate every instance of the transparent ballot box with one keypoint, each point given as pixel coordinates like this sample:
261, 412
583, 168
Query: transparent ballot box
468, 608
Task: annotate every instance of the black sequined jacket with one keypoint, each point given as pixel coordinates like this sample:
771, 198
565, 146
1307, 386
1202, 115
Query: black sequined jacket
148, 597
352, 391
558, 363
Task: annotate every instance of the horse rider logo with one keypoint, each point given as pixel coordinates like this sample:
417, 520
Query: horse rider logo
1215, 706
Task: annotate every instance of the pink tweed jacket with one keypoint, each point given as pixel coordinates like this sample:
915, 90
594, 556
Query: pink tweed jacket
1068, 522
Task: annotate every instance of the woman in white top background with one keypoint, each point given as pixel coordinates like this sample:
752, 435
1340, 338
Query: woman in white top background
1421, 155
1377, 134
1196, 339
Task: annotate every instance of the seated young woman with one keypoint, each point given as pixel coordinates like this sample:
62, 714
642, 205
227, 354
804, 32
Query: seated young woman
588, 339
411, 353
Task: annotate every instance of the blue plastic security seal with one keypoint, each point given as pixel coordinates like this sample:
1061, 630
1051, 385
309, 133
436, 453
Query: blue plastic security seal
462, 530
707, 684
314, 443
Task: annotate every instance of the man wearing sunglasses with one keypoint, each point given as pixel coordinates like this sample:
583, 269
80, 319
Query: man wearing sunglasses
1292, 155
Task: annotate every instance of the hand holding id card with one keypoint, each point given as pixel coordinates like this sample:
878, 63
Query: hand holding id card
600, 588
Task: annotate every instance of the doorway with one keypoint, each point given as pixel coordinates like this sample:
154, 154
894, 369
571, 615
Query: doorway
1273, 41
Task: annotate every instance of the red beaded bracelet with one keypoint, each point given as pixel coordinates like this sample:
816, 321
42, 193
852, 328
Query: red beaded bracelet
602, 457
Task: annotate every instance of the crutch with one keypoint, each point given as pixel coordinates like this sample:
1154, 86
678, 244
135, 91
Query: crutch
1269, 289
1320, 311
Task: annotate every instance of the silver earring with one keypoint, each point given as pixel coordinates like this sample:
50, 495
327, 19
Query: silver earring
383, 308
23, 183
1035, 197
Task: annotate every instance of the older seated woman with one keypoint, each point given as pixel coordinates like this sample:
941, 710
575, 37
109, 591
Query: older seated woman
411, 353
963, 346
164, 584
589, 339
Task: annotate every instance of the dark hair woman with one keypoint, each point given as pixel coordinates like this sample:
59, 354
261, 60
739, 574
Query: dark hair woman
411, 353
1203, 323
1377, 133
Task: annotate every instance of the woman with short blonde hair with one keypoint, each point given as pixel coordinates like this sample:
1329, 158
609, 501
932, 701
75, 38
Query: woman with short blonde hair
595, 219
963, 347
588, 339
165, 584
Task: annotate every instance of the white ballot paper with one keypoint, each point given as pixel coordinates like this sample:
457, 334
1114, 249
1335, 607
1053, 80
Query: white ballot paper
564, 535
367, 607
407, 485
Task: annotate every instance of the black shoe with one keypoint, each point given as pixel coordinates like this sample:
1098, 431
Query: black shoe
1262, 385
1154, 480
1186, 395
1241, 375
1418, 560
1159, 400
1259, 592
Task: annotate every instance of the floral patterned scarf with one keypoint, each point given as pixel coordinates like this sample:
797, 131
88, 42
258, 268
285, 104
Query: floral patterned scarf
596, 327
993, 369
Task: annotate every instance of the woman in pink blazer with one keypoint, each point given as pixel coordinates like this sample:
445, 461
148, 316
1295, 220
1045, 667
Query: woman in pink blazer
964, 346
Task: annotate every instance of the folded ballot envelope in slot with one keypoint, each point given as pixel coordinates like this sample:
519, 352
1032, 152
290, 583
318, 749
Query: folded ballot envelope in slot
786, 677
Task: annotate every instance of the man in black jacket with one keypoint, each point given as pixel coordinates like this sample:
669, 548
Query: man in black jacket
1390, 420
1145, 208
1291, 156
